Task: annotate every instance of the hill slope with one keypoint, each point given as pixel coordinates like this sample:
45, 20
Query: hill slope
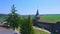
49, 17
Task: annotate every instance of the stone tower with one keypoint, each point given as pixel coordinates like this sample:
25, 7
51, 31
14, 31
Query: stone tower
37, 16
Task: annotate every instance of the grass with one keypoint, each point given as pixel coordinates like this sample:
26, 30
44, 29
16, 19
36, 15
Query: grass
39, 32
36, 31
53, 18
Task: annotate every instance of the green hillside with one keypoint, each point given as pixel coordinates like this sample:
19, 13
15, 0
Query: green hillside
51, 17
3, 16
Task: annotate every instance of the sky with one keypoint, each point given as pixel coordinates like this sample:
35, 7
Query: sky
29, 7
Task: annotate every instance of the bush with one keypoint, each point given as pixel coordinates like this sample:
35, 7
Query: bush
26, 27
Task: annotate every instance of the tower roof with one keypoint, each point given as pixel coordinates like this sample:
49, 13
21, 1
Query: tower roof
37, 13
37, 16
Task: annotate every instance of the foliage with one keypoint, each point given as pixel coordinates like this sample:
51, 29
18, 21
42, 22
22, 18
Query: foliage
13, 19
26, 27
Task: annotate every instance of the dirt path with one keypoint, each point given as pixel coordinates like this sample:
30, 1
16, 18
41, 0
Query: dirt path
41, 29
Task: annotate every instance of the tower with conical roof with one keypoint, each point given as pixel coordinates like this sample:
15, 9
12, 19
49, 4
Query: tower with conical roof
37, 16
36, 19
37, 13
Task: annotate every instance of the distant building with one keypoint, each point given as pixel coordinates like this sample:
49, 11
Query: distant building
37, 16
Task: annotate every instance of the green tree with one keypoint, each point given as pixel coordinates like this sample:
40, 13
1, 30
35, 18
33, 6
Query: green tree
26, 27
13, 18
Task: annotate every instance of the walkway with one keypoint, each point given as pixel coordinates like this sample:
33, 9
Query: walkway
41, 29
4, 30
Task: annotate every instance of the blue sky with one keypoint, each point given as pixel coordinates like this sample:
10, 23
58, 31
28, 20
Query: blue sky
29, 7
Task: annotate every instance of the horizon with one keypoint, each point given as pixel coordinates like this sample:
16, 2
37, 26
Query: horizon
29, 7
35, 14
